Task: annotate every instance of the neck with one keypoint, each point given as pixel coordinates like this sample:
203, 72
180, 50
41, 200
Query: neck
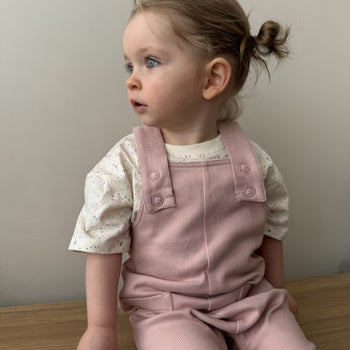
190, 136
195, 129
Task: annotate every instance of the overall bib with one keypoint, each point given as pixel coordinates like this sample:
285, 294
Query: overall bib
194, 280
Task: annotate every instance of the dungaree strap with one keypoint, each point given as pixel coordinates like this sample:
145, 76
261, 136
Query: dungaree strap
249, 185
156, 185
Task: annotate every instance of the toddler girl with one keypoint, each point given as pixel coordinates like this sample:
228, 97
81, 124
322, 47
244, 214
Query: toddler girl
200, 210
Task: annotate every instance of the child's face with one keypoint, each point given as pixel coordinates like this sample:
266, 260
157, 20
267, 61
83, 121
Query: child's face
166, 81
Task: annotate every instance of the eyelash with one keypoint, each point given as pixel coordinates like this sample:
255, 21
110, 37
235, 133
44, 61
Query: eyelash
129, 68
150, 63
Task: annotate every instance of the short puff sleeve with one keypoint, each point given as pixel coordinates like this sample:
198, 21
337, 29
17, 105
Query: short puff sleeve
103, 225
277, 199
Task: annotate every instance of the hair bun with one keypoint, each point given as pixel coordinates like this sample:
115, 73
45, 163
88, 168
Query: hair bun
271, 39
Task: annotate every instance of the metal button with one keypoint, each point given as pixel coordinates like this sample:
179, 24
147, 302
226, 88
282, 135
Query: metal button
249, 192
244, 167
154, 175
157, 201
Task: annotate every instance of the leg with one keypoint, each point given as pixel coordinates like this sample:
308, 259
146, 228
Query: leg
276, 328
175, 330
278, 331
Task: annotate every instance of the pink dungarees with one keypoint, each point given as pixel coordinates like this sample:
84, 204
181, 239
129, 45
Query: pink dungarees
193, 281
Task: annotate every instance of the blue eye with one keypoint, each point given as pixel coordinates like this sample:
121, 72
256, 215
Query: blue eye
129, 68
151, 62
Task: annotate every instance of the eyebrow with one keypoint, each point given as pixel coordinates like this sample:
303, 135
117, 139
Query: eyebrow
148, 49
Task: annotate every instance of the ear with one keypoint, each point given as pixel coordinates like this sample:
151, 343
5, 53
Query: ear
218, 75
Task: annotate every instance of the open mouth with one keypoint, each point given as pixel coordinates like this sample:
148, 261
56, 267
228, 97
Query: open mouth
138, 107
137, 104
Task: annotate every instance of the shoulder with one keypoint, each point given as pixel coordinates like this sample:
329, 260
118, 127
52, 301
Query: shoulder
122, 156
113, 176
271, 175
124, 150
263, 158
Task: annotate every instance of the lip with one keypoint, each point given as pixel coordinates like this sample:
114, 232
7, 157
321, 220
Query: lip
138, 107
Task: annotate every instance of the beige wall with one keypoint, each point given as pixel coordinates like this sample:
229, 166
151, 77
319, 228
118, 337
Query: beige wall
63, 105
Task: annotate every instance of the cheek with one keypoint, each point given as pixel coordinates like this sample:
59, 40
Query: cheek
170, 93
159, 91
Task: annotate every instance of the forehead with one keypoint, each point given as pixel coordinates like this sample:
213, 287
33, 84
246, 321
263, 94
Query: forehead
151, 28
148, 25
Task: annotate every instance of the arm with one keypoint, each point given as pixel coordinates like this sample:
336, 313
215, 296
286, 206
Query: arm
272, 252
102, 277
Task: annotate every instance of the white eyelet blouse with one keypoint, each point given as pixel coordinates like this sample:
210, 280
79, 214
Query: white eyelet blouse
113, 193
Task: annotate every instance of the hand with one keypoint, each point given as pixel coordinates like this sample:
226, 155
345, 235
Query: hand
98, 338
292, 305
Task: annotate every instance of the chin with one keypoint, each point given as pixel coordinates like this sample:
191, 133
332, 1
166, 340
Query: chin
150, 122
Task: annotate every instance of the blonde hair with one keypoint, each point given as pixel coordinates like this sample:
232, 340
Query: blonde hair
221, 28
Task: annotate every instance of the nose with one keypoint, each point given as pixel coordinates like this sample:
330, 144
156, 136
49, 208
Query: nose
133, 82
